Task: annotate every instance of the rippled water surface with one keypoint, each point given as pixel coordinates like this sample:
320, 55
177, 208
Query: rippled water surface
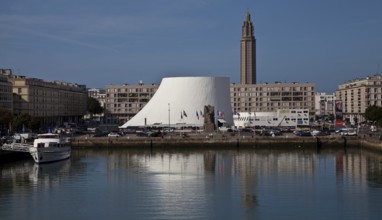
122, 183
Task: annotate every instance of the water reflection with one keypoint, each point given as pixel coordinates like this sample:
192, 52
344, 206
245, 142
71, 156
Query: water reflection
27, 173
203, 184
51, 173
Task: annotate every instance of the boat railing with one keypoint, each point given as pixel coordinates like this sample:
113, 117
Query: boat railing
19, 147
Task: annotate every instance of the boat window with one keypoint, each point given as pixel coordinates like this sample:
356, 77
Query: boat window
53, 144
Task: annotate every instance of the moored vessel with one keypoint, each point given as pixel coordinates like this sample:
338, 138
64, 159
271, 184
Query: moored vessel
50, 148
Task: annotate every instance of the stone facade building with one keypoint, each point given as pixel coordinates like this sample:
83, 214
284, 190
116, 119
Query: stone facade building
53, 103
324, 104
124, 101
358, 94
6, 101
271, 97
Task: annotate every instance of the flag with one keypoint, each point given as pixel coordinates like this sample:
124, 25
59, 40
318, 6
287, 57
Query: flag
197, 115
184, 113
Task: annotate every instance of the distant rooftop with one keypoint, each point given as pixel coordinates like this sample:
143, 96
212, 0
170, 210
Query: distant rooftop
365, 78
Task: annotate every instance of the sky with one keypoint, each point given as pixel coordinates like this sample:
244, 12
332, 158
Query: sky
99, 43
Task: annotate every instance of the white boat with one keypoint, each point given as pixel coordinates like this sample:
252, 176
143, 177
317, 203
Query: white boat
49, 148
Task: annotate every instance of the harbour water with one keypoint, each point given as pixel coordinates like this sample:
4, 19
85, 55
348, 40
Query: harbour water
122, 183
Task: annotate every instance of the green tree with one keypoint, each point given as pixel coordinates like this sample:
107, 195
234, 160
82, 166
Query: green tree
20, 121
5, 118
34, 124
94, 107
374, 114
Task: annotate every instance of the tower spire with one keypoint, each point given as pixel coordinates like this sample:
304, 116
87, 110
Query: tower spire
248, 52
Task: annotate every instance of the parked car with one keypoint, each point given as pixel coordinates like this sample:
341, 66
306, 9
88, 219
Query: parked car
323, 133
144, 133
232, 129
318, 132
246, 130
272, 132
349, 132
167, 130
101, 134
303, 133
315, 132
113, 134
342, 129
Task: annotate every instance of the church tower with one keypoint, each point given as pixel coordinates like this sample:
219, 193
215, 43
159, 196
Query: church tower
247, 53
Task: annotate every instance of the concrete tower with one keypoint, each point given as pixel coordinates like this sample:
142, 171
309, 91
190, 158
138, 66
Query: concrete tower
247, 53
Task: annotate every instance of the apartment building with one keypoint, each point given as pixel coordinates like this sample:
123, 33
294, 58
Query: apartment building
124, 101
358, 94
324, 104
271, 97
6, 101
53, 103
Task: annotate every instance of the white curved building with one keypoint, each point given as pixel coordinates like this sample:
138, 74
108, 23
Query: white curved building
180, 101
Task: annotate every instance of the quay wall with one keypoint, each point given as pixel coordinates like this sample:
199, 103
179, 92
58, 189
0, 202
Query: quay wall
229, 142
217, 142
370, 144
8, 156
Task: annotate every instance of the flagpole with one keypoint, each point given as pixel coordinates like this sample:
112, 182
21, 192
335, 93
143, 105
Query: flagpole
169, 117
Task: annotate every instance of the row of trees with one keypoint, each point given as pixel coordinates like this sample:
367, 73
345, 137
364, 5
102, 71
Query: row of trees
17, 123
24, 120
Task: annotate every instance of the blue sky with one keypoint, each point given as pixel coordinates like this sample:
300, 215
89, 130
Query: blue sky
99, 43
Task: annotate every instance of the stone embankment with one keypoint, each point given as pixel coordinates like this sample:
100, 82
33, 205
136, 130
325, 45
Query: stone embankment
217, 140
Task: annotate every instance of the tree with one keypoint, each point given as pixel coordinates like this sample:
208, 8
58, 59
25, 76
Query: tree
94, 107
34, 124
374, 114
21, 121
5, 118
24, 120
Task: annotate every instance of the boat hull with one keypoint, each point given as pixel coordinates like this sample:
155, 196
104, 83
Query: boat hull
50, 154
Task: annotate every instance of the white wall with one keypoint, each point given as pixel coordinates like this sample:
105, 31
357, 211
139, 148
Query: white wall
177, 95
